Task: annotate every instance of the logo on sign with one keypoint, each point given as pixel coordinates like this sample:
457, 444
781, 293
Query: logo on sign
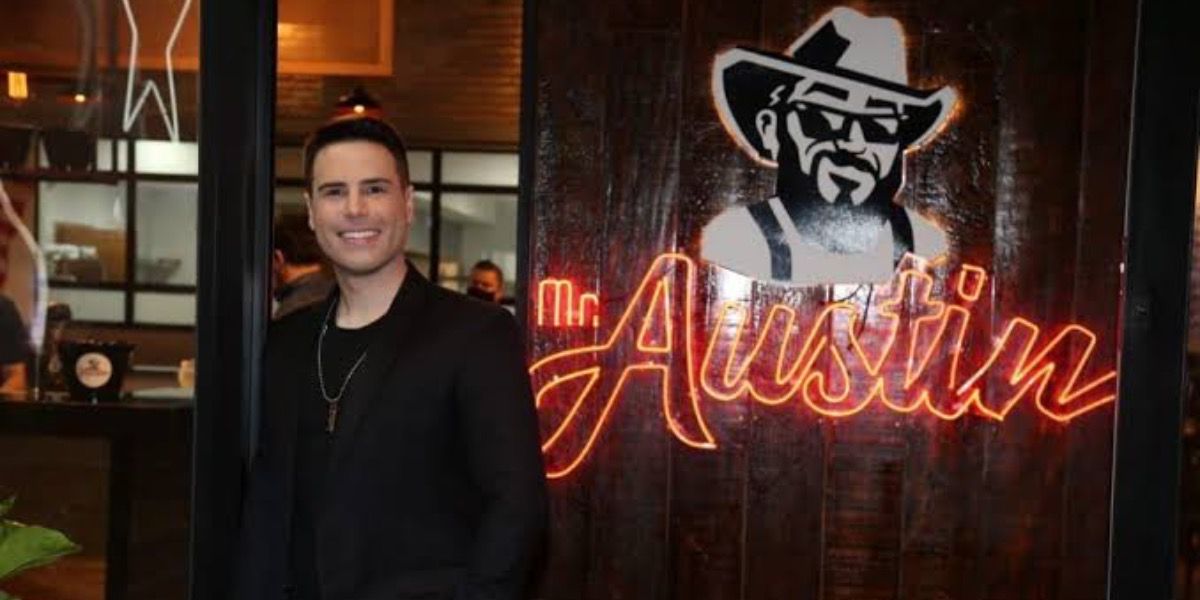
93, 370
834, 115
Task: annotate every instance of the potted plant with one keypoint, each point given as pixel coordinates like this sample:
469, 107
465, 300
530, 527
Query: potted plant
24, 547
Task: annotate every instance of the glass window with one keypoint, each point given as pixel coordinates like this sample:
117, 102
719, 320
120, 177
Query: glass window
164, 309
104, 154
81, 227
480, 168
420, 166
92, 305
166, 233
88, 118
478, 227
419, 238
167, 157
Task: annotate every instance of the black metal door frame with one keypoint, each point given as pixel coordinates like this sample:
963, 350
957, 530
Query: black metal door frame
237, 120
1143, 546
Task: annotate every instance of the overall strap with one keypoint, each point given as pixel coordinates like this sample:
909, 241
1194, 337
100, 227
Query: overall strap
902, 233
781, 254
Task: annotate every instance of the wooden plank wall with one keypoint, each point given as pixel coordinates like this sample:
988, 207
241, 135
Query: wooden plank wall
631, 161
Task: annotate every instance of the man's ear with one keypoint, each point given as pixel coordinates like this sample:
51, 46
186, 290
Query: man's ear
766, 122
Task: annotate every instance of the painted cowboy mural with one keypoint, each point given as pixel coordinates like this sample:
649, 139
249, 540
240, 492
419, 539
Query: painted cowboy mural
834, 115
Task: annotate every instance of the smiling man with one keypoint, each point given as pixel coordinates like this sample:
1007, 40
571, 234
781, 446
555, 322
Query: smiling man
398, 455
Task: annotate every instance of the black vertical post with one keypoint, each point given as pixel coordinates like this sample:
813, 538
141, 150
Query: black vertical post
237, 104
1159, 212
131, 234
528, 157
435, 220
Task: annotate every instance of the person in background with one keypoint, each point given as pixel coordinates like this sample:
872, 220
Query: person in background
487, 281
15, 350
299, 276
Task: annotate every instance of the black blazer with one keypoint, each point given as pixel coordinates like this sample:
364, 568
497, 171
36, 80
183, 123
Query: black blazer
436, 486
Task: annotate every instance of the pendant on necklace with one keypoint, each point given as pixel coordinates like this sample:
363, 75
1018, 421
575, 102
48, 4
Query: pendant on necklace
331, 418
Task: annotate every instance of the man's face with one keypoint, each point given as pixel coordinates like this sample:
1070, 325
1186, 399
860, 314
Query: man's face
487, 280
841, 139
359, 208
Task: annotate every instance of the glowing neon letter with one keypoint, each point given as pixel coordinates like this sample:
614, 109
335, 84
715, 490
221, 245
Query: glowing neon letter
653, 336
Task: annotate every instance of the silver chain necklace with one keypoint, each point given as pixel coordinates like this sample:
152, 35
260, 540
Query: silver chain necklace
333, 401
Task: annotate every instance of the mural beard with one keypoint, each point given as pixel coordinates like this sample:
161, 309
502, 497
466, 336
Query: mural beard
840, 226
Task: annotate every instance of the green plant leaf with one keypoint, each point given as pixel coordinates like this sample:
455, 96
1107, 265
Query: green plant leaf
24, 547
6, 506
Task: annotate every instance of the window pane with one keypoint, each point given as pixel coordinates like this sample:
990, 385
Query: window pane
166, 157
420, 166
164, 309
104, 152
478, 227
419, 244
166, 233
480, 168
81, 227
92, 305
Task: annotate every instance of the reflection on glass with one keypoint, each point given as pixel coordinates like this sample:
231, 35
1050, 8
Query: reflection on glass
478, 227
81, 227
166, 233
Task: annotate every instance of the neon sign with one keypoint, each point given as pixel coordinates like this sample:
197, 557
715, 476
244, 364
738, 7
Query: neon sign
561, 305
914, 351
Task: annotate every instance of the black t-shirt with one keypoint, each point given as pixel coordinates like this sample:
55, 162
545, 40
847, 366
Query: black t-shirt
340, 349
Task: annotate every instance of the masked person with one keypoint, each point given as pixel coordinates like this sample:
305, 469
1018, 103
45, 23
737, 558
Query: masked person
487, 281
398, 454
834, 116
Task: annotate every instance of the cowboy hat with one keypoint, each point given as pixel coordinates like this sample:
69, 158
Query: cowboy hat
844, 49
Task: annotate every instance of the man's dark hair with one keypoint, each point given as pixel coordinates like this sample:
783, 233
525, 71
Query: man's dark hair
364, 129
296, 241
487, 265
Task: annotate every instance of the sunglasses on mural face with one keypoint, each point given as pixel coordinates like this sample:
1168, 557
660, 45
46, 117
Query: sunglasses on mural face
823, 122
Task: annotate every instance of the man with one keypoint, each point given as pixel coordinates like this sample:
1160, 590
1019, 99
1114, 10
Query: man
834, 115
398, 455
487, 281
299, 277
